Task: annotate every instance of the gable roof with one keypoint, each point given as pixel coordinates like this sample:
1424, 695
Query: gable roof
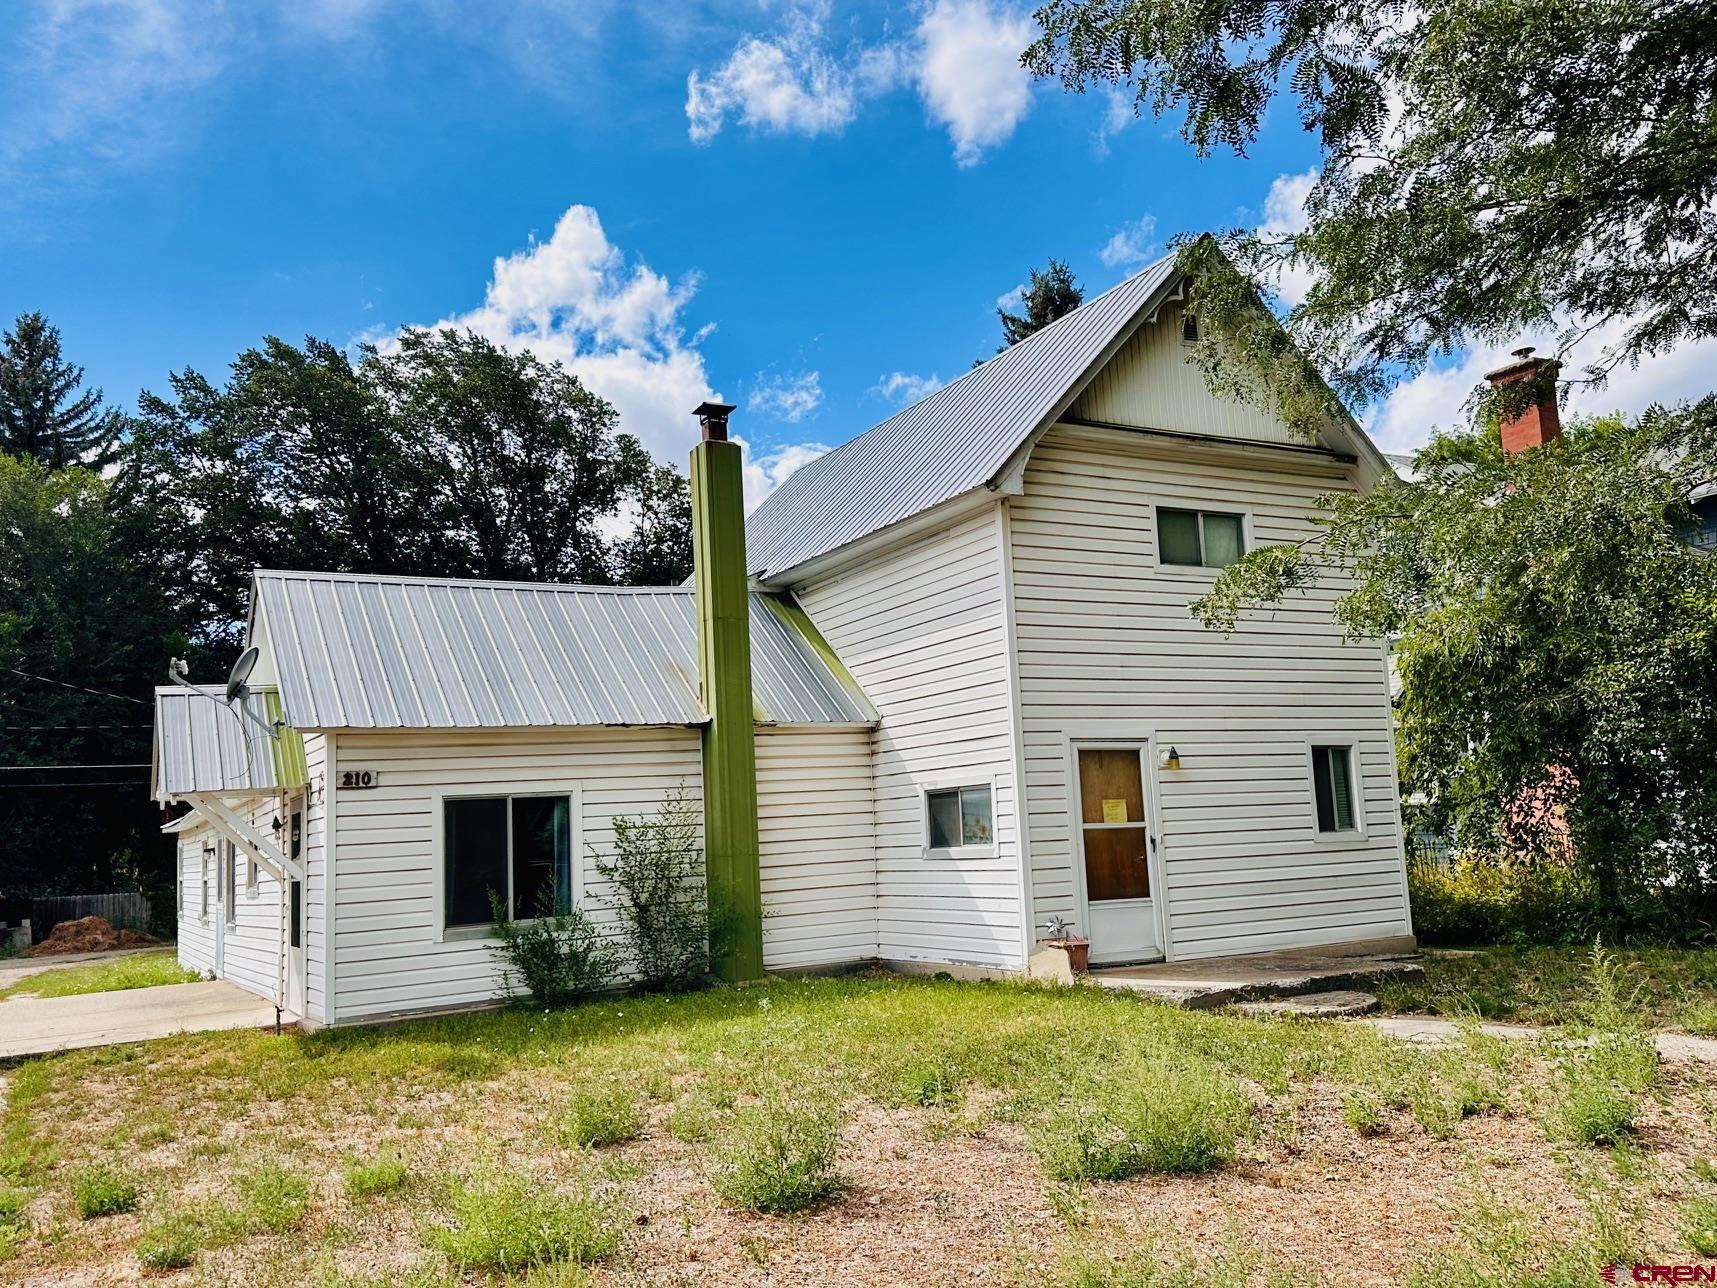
366, 652
203, 744
947, 443
963, 436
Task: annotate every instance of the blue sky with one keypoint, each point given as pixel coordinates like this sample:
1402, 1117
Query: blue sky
810, 210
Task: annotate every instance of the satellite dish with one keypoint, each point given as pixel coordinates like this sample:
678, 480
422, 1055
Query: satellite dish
240, 673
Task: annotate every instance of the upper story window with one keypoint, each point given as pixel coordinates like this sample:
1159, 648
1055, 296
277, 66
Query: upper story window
1199, 538
1189, 327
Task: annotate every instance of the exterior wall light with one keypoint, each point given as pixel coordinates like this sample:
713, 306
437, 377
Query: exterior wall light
1169, 759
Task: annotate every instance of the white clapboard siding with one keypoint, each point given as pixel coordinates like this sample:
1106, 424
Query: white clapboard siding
388, 955
1106, 648
250, 953
922, 628
196, 933
816, 833
1151, 383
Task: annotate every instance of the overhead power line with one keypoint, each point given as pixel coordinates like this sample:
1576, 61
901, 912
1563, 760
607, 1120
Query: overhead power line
78, 688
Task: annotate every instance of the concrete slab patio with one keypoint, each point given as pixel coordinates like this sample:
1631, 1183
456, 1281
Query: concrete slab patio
41, 1025
1227, 981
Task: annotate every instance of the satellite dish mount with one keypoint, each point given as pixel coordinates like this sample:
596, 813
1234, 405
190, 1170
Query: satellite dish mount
238, 688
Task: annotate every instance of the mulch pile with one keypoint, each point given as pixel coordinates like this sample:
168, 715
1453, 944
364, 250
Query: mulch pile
90, 935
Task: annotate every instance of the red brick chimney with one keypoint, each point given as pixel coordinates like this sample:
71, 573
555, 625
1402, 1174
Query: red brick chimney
1538, 421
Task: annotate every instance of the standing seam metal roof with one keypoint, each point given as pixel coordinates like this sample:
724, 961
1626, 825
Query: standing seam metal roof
946, 443
421, 653
202, 744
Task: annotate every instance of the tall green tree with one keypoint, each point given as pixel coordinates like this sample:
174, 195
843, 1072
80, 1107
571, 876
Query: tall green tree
1051, 293
1487, 167
1557, 633
45, 412
83, 640
444, 456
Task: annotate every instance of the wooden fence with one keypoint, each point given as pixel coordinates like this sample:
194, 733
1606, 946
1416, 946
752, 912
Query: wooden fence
129, 910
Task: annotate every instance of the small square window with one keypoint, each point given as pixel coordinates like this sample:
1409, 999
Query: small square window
959, 818
1199, 538
1332, 789
1189, 327
519, 848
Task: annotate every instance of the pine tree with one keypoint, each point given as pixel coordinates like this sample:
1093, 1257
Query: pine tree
45, 413
1053, 293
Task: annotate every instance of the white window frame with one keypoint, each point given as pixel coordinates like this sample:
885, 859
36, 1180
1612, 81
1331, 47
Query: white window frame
208, 849
1199, 571
1357, 834
575, 852
958, 782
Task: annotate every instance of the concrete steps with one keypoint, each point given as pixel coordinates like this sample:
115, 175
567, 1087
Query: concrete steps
1339, 1004
1266, 977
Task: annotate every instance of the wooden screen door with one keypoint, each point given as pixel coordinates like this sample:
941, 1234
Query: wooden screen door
1115, 850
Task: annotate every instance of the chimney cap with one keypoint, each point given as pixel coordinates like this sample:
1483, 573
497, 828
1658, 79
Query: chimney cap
1523, 363
712, 416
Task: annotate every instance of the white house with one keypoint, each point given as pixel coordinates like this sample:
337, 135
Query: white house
976, 702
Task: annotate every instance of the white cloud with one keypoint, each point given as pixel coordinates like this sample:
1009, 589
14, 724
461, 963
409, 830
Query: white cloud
768, 471
903, 387
962, 58
787, 84
1118, 114
1284, 216
791, 398
969, 73
1435, 398
1132, 244
1011, 300
574, 299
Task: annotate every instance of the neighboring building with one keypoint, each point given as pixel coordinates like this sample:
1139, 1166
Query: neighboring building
977, 702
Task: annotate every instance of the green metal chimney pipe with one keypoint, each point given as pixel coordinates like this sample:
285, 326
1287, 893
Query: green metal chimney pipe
724, 674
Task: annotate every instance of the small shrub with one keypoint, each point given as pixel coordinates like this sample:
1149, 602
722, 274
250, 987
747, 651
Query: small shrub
781, 1157
552, 959
1487, 900
1590, 1109
657, 874
599, 1116
101, 1191
512, 1223
12, 1203
380, 1176
1699, 1224
1361, 1111
169, 1243
1171, 1120
274, 1199
932, 1081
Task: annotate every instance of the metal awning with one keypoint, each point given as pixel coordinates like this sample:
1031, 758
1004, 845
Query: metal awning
205, 745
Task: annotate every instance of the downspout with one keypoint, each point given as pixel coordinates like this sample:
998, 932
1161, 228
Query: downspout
724, 678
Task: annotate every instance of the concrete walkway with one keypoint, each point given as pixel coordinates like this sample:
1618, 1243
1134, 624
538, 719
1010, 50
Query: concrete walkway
40, 1025
1431, 1030
1211, 982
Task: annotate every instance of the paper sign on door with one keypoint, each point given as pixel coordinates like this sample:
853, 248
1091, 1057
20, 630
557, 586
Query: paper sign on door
1114, 811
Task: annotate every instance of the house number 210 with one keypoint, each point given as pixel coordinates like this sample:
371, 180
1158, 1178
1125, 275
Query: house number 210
358, 777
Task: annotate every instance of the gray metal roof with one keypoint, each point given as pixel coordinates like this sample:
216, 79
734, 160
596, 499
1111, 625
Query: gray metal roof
204, 745
948, 442
421, 653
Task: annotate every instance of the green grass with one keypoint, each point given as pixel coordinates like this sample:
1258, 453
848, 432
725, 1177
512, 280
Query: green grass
1675, 986
381, 1175
1153, 1116
509, 1223
600, 1115
170, 1242
780, 1156
275, 1199
103, 1191
134, 970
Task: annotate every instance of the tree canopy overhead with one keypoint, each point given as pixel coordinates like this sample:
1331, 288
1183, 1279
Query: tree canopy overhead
45, 412
1488, 168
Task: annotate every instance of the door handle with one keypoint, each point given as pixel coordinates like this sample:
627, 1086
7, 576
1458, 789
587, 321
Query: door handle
1151, 836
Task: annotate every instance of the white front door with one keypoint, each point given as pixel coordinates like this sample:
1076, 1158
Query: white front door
1115, 847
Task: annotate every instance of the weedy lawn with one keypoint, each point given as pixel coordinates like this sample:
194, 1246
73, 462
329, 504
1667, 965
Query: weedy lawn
870, 1130
133, 970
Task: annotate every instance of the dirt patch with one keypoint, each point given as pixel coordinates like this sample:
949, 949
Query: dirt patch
90, 935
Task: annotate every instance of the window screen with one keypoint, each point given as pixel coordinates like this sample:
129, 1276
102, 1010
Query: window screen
1332, 788
959, 816
1199, 538
542, 872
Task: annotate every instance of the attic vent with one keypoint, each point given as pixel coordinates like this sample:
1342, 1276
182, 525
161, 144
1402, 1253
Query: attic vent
1189, 327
